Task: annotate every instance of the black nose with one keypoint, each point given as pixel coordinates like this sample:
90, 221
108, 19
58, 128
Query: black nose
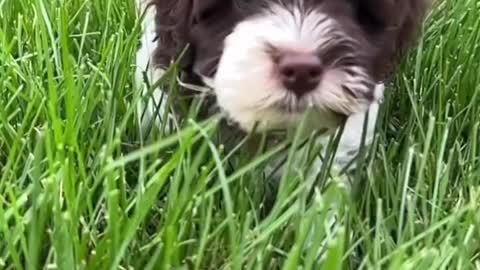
300, 72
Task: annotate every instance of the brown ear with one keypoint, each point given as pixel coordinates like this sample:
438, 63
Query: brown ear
172, 22
396, 24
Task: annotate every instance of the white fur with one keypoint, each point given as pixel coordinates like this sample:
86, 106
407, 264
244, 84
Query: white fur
351, 139
144, 66
245, 84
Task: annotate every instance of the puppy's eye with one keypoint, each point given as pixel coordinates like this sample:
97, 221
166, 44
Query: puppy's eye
207, 13
369, 17
206, 10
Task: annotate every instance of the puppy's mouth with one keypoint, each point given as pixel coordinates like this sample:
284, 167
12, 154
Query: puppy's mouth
292, 104
342, 107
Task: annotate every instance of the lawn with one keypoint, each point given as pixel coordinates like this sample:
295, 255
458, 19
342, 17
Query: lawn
81, 188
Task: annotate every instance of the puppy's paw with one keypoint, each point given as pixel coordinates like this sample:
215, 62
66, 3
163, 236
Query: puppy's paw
351, 139
153, 111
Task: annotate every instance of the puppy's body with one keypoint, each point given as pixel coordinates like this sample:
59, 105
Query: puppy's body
269, 61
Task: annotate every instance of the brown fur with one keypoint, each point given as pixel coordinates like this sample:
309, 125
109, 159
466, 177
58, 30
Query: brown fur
392, 26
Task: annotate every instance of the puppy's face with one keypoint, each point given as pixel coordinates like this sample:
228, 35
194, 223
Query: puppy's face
271, 60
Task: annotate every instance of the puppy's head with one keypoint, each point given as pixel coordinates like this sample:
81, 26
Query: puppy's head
271, 60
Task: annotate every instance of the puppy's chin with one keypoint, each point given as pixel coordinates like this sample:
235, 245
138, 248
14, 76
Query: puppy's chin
283, 117
278, 119
248, 89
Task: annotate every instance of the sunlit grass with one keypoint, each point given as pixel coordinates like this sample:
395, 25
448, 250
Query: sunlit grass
80, 188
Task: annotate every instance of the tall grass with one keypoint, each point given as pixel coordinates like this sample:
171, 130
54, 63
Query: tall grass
81, 189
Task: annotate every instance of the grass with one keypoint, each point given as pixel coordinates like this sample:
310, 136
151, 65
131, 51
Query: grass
81, 189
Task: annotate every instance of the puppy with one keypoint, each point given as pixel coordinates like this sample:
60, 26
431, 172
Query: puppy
269, 61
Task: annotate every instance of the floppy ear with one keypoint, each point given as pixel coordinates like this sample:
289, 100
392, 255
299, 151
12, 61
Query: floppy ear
395, 25
402, 17
172, 23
